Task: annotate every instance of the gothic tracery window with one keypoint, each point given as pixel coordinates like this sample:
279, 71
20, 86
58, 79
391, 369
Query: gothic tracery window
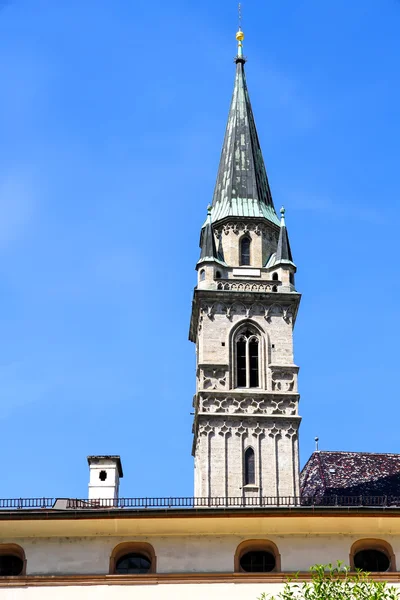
245, 251
247, 359
249, 467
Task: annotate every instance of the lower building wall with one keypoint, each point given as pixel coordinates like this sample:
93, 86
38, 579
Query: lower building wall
218, 591
179, 554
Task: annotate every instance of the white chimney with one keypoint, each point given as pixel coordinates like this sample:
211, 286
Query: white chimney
105, 473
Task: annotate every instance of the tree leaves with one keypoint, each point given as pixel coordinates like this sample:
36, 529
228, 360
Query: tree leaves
335, 582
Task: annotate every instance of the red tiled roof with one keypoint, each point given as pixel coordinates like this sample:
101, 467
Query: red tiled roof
351, 474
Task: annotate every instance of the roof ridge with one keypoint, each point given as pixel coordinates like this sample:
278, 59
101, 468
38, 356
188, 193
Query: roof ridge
358, 452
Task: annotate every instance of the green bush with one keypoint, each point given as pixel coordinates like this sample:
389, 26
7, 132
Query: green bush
329, 582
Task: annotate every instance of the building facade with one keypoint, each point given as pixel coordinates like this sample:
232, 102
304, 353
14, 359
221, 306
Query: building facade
254, 519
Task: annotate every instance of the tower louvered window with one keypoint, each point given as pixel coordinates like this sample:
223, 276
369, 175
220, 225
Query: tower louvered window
245, 251
247, 359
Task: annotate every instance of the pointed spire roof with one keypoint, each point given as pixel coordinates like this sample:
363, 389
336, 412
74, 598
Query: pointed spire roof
242, 188
208, 250
283, 252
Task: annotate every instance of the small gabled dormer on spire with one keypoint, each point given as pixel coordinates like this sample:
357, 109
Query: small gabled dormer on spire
208, 250
281, 263
209, 255
283, 252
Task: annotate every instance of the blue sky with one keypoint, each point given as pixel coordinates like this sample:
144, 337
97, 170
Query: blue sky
112, 116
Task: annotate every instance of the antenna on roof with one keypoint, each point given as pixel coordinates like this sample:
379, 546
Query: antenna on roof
316, 444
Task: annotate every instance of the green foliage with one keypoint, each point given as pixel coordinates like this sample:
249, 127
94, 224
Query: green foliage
329, 582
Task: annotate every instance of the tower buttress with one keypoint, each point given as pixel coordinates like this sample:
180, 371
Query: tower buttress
244, 308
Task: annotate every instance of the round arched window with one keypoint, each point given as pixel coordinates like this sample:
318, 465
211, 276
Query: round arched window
10, 565
257, 561
372, 561
133, 564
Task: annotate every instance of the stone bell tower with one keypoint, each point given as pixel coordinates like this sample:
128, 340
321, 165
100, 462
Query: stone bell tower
244, 309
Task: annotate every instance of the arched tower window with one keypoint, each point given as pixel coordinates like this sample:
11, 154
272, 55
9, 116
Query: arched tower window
202, 275
245, 251
247, 359
249, 467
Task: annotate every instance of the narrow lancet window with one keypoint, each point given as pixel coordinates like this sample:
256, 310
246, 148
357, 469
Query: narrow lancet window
249, 467
253, 360
245, 251
247, 359
241, 363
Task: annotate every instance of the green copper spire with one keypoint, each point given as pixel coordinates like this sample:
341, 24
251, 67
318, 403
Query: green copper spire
242, 188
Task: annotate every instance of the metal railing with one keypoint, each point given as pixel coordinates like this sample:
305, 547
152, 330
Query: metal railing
238, 502
20, 503
189, 502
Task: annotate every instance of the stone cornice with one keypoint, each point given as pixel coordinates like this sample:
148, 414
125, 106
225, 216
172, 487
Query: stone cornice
165, 578
212, 297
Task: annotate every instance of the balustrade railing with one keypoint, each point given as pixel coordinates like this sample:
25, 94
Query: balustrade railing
235, 285
188, 502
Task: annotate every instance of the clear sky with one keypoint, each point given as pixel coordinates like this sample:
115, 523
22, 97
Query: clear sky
112, 116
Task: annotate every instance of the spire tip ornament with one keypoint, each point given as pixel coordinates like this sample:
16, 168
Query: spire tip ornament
283, 216
240, 34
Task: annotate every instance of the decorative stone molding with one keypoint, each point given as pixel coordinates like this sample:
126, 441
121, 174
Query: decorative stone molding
213, 377
246, 286
250, 427
283, 380
241, 430
258, 431
250, 405
206, 429
275, 310
291, 432
225, 430
246, 227
274, 432
247, 310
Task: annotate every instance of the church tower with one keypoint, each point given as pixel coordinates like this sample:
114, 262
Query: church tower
244, 308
